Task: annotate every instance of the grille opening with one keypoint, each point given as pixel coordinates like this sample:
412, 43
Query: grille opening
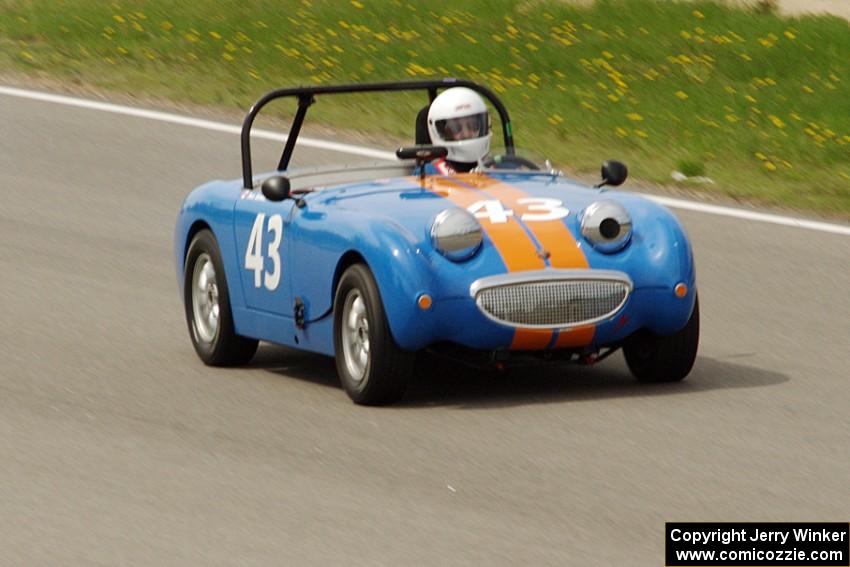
558, 303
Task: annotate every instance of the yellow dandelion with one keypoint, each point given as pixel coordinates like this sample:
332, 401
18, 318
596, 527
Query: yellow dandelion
751, 99
166, 25
613, 97
790, 35
634, 117
119, 19
698, 15
844, 175
357, 4
621, 132
731, 118
770, 166
641, 134
215, 35
682, 95
808, 89
776, 121
226, 56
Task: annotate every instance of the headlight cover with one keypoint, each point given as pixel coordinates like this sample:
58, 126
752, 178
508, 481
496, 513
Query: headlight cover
606, 226
456, 234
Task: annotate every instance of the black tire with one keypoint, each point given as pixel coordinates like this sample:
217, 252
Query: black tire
653, 358
387, 369
220, 346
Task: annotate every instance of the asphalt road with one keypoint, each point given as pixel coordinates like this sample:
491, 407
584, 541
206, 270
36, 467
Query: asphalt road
118, 447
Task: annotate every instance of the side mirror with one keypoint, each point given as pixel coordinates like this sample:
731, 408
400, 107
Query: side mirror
613, 173
276, 188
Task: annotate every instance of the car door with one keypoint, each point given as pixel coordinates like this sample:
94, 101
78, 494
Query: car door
262, 247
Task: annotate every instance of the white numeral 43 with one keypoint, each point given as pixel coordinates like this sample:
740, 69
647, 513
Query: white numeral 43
254, 259
538, 209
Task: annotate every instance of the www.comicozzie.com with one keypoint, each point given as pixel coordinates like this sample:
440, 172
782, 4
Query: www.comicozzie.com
758, 544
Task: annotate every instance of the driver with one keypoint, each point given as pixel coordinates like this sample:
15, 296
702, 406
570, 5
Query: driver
458, 120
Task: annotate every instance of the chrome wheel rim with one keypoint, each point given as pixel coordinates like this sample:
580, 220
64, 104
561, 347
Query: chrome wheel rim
205, 308
355, 335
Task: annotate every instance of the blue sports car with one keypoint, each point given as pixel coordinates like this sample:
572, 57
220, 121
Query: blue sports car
373, 263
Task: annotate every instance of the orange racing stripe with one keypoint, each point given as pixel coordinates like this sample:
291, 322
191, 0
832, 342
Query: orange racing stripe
516, 248
564, 252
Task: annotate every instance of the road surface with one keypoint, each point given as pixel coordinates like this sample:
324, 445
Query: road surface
119, 447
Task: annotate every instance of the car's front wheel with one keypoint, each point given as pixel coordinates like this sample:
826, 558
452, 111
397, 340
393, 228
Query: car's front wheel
207, 303
653, 358
373, 369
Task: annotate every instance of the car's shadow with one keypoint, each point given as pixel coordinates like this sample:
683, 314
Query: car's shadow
439, 382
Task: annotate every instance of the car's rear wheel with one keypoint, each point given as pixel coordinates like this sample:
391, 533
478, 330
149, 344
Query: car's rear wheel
653, 358
207, 304
373, 369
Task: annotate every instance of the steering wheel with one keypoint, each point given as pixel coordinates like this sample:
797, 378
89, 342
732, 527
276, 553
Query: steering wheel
509, 162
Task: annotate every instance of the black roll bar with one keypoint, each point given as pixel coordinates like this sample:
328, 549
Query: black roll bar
306, 97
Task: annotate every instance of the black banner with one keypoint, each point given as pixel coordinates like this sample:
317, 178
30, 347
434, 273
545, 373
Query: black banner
766, 544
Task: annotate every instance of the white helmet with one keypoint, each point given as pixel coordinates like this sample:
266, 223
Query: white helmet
458, 120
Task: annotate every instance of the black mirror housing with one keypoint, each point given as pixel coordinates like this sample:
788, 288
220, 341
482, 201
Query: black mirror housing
422, 153
613, 173
276, 188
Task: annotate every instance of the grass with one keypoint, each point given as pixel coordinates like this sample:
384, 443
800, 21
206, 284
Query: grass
761, 103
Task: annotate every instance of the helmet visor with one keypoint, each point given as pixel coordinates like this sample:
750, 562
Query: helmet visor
463, 127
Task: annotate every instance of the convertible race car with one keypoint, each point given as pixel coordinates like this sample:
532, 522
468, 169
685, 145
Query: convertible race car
372, 263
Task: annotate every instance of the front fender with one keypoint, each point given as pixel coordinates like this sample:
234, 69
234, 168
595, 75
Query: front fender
322, 242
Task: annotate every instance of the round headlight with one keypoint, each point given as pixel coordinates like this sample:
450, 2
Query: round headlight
456, 234
607, 226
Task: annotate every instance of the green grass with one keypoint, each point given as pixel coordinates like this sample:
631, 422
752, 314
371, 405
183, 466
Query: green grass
762, 103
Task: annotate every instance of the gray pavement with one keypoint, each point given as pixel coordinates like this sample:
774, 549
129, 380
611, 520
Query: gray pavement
118, 447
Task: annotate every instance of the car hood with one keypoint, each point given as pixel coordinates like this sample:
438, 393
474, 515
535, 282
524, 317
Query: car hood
543, 204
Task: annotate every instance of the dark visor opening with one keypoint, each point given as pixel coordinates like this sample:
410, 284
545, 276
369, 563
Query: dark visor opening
463, 127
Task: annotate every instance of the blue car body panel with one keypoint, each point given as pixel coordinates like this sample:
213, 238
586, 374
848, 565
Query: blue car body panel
386, 224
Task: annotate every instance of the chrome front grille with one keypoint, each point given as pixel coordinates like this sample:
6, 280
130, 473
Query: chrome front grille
553, 303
